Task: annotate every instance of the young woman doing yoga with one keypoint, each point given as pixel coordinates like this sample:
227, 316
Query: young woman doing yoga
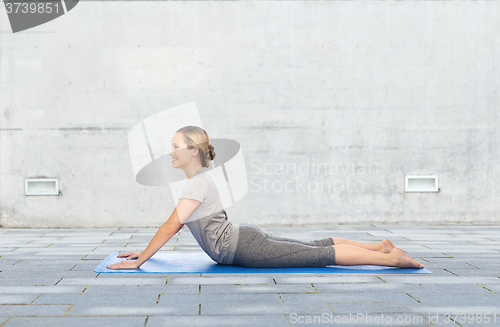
200, 208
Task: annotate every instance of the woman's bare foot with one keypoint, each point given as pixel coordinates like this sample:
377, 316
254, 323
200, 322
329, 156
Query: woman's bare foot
386, 246
402, 260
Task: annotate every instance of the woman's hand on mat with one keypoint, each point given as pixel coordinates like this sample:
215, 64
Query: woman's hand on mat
130, 255
123, 265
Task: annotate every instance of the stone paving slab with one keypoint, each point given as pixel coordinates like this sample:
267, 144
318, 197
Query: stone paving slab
30, 256
351, 297
471, 288
16, 298
443, 280
89, 309
492, 286
479, 255
76, 321
23, 281
58, 274
369, 307
474, 272
26, 310
8, 250
138, 280
481, 297
52, 289
251, 279
18, 241
259, 289
146, 289
458, 310
99, 256
100, 300
330, 278
44, 279
42, 264
222, 321
252, 308
226, 299
4, 262
163, 276
435, 271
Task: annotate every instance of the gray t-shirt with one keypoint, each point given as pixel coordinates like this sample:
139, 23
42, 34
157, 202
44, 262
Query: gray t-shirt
209, 223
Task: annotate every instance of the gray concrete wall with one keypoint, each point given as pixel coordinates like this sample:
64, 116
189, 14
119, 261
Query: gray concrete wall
376, 90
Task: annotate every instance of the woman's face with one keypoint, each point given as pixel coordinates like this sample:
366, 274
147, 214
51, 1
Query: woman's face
181, 155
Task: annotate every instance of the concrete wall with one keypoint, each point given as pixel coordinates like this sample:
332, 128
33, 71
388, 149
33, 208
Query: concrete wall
375, 90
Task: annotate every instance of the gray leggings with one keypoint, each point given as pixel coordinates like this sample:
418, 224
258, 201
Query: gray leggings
257, 249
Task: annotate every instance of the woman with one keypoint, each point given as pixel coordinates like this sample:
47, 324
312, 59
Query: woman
200, 208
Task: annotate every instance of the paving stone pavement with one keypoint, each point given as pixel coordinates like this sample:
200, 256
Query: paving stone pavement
47, 279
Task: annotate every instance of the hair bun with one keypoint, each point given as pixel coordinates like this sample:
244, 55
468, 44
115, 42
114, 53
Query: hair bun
211, 151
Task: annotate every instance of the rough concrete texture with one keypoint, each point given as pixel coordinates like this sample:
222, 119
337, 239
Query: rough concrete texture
333, 103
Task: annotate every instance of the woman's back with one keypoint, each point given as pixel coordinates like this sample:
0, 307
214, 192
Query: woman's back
208, 223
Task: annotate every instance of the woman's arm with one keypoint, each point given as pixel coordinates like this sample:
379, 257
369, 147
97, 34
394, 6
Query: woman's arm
162, 236
182, 225
183, 210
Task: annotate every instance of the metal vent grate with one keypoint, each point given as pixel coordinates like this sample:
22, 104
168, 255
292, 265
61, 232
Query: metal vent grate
41, 186
421, 183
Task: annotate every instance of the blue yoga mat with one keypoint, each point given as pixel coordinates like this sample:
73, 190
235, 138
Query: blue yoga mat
200, 262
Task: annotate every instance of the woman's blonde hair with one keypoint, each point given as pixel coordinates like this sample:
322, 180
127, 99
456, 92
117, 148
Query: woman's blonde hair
197, 138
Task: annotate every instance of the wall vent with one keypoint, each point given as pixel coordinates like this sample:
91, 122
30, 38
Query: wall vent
421, 183
41, 186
